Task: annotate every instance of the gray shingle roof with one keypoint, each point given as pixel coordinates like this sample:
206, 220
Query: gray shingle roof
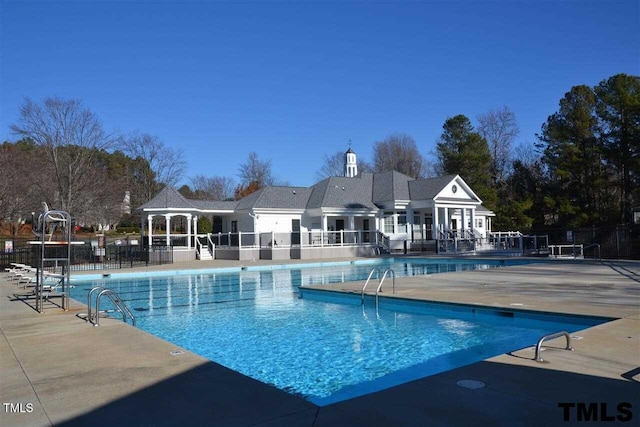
276, 198
168, 197
390, 186
484, 211
214, 205
342, 192
428, 188
366, 191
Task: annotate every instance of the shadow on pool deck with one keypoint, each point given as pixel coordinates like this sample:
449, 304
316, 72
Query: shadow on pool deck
513, 395
205, 395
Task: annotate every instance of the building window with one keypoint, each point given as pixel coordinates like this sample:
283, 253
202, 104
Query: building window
387, 222
402, 217
417, 220
479, 223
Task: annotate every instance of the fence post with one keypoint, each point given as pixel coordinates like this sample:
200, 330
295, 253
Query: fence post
521, 245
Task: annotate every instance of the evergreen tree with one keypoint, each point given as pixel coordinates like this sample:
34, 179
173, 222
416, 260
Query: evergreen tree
618, 110
573, 155
463, 151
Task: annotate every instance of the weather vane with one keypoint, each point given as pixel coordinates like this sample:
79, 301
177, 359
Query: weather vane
349, 142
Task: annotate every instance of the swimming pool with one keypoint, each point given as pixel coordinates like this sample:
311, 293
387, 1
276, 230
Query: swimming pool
325, 346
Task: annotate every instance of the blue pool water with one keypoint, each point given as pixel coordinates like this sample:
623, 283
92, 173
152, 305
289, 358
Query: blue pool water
324, 346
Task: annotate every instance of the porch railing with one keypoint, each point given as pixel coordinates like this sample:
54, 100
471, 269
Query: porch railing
312, 238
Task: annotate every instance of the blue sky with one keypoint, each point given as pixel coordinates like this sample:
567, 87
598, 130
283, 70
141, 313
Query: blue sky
294, 80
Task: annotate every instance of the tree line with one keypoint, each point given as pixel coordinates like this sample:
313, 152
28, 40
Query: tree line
582, 170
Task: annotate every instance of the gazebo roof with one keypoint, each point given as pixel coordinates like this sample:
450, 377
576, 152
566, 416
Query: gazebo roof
168, 198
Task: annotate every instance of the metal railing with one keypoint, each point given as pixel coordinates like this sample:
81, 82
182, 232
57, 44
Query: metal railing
198, 248
560, 251
380, 282
379, 289
537, 357
120, 306
210, 245
593, 245
373, 270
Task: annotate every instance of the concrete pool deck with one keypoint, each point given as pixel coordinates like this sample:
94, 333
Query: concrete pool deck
55, 369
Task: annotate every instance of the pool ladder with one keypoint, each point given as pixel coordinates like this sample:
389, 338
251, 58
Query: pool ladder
120, 306
381, 280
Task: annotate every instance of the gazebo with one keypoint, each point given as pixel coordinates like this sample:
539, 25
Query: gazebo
169, 204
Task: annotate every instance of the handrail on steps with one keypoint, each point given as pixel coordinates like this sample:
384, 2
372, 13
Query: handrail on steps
373, 270
120, 306
379, 289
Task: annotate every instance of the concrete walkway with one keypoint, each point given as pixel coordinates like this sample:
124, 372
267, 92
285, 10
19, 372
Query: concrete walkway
55, 369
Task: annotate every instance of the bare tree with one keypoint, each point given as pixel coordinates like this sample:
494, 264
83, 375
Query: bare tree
213, 188
20, 190
71, 137
333, 165
256, 171
255, 174
166, 165
526, 154
104, 200
500, 128
399, 152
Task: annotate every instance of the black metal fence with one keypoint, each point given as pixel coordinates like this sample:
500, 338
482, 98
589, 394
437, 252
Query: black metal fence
87, 256
621, 242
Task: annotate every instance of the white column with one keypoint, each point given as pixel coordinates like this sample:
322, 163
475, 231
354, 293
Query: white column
464, 219
150, 225
473, 219
188, 231
395, 221
168, 227
324, 223
195, 225
434, 226
352, 222
446, 218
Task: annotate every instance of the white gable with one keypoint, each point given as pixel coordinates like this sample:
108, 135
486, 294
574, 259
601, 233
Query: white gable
457, 189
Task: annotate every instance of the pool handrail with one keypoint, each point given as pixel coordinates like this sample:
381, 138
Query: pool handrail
379, 289
89, 317
120, 306
373, 270
118, 303
537, 357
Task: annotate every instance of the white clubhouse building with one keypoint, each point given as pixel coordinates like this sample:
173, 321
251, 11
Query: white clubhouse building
352, 215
